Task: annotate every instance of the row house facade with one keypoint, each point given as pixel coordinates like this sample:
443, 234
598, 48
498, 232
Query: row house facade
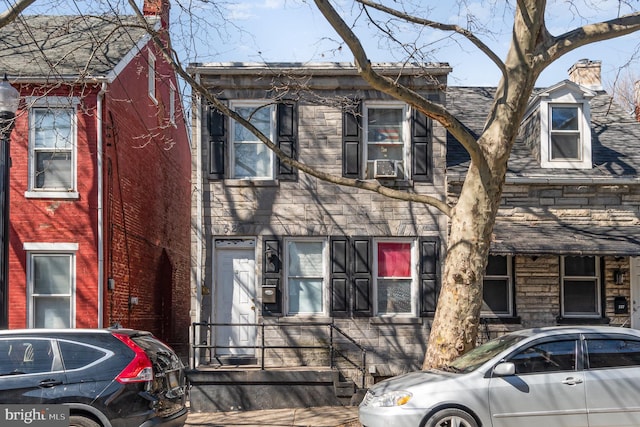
100, 176
279, 252
565, 246
277, 246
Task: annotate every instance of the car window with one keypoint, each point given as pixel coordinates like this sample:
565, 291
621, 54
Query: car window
607, 353
546, 357
25, 356
479, 355
75, 356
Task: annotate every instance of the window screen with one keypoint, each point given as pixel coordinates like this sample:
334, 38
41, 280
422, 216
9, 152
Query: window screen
580, 286
565, 133
305, 277
497, 287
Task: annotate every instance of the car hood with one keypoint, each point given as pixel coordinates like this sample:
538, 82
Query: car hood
403, 382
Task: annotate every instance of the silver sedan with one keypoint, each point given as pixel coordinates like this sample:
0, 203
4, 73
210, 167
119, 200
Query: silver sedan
551, 377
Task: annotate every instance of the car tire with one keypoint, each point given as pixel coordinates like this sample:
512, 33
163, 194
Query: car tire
451, 417
80, 421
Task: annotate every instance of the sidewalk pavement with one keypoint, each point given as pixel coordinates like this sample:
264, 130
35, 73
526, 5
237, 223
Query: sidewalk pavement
332, 416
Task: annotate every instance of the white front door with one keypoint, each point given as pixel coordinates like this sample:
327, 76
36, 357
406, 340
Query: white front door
234, 305
635, 292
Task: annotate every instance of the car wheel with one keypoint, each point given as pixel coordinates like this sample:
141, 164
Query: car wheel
80, 421
451, 417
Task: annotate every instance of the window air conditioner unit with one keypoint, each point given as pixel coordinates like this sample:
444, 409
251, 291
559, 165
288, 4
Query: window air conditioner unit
384, 169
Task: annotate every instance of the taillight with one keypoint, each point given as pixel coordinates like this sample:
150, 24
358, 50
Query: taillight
140, 368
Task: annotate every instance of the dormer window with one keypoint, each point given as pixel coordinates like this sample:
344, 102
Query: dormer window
565, 131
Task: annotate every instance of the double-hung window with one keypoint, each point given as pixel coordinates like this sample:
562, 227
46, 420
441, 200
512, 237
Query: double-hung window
387, 141
346, 276
394, 291
580, 286
51, 285
305, 268
52, 147
251, 159
564, 133
497, 287
565, 125
387, 130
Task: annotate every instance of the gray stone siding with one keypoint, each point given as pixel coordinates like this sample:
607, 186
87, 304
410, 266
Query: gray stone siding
310, 207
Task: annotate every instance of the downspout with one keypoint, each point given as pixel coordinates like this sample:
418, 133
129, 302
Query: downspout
100, 219
196, 303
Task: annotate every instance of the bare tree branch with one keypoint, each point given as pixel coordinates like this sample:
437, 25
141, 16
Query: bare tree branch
370, 185
12, 13
556, 47
387, 85
439, 26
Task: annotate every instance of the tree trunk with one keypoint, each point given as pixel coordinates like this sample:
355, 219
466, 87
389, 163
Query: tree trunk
455, 326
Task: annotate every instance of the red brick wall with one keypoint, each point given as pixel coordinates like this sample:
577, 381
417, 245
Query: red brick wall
55, 220
146, 208
147, 199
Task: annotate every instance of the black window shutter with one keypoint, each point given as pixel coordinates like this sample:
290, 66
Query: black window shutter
217, 140
362, 277
421, 146
351, 142
429, 275
272, 273
340, 290
287, 139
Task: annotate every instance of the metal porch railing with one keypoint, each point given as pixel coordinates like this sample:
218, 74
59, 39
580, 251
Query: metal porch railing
335, 341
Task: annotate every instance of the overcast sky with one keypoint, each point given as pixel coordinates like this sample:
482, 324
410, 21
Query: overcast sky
294, 31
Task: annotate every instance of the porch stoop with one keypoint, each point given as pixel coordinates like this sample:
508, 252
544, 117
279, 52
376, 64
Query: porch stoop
246, 388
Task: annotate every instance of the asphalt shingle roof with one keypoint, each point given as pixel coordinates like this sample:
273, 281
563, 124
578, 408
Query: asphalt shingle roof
615, 137
51, 48
616, 157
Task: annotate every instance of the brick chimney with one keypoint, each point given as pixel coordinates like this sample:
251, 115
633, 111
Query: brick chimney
586, 73
157, 8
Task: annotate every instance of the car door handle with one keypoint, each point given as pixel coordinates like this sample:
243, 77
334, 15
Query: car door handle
50, 383
572, 381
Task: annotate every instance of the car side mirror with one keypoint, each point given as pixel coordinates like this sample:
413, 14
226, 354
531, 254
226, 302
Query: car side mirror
504, 369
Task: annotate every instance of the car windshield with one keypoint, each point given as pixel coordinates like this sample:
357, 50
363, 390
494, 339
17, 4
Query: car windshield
479, 355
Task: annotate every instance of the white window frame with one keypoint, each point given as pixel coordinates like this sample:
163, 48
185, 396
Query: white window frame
509, 278
151, 76
50, 249
415, 291
325, 274
51, 103
272, 136
406, 134
584, 119
598, 290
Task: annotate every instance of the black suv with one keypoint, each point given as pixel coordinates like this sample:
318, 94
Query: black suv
106, 377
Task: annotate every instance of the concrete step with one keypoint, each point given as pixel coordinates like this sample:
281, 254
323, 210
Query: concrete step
243, 388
